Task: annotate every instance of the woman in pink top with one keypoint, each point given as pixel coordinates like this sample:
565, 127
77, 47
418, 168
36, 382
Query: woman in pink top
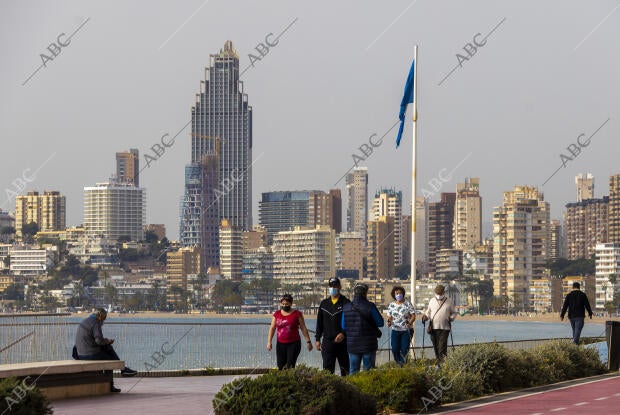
287, 322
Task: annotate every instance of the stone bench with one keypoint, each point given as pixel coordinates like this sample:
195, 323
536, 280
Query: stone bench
65, 378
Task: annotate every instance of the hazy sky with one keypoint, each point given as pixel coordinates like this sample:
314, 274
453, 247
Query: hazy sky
547, 74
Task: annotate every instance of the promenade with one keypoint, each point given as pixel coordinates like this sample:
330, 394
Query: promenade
194, 395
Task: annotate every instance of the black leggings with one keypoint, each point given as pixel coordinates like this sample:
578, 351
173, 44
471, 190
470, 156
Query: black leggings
287, 354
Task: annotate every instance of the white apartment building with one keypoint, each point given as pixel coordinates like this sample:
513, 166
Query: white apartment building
607, 273
388, 202
33, 262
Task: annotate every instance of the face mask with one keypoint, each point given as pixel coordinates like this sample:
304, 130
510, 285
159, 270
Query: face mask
399, 297
333, 291
286, 308
439, 297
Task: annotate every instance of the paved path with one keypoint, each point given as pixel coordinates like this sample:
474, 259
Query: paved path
600, 397
177, 395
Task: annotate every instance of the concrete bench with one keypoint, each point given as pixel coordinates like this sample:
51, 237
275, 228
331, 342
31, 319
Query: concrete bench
66, 378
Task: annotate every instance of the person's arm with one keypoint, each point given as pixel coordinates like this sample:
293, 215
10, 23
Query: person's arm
426, 315
98, 335
376, 316
587, 305
564, 307
319, 328
304, 330
272, 330
344, 329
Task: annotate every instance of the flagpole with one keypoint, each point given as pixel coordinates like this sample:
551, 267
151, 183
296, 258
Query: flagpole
413, 179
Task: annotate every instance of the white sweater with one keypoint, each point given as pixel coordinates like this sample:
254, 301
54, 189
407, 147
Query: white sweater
442, 318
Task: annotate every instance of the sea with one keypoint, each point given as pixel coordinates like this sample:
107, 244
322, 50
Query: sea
149, 344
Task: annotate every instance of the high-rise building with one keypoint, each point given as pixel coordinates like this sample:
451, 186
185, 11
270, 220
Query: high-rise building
180, 264
614, 209
325, 209
440, 226
421, 232
48, 211
585, 187
128, 167
231, 251
520, 244
350, 252
257, 263
380, 249
304, 256
222, 123
406, 236
467, 215
388, 202
113, 210
585, 226
357, 200
607, 273
556, 242
283, 211
449, 264
255, 238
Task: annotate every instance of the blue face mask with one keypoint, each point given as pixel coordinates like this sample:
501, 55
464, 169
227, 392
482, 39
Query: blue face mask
333, 291
399, 297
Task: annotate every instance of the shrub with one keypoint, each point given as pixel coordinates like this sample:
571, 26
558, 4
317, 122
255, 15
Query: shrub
21, 397
458, 385
559, 360
394, 388
301, 390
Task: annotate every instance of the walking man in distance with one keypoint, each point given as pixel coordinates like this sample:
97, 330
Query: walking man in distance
577, 303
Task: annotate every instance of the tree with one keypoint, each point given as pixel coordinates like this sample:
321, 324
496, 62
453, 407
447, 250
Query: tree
14, 292
7, 230
7, 261
150, 237
29, 231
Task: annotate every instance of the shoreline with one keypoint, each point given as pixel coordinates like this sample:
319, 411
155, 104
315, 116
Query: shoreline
540, 318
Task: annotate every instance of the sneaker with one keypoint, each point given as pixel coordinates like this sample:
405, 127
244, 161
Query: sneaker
126, 372
114, 390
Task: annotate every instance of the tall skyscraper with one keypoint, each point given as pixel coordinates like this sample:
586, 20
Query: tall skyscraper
614, 209
585, 187
357, 200
283, 211
520, 244
585, 226
556, 243
222, 121
48, 211
113, 210
128, 167
440, 226
380, 249
467, 215
325, 209
389, 202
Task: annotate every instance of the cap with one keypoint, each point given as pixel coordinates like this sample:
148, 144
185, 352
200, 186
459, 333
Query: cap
360, 289
287, 297
334, 282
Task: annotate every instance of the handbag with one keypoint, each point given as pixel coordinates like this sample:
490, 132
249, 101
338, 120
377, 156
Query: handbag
429, 329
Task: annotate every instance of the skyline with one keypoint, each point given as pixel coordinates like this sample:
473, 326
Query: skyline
507, 116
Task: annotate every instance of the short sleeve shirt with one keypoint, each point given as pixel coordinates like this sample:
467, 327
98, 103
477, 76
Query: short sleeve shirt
400, 313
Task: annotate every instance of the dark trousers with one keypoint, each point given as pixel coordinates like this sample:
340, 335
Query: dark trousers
107, 352
440, 343
331, 352
287, 353
400, 345
576, 324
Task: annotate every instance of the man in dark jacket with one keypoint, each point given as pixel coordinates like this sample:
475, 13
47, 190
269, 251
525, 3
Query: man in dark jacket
577, 303
91, 345
328, 327
360, 322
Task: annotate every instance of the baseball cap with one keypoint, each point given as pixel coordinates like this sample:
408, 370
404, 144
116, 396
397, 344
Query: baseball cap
334, 282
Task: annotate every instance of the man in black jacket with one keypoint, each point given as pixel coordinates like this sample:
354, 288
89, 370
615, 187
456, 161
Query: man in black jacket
328, 319
576, 302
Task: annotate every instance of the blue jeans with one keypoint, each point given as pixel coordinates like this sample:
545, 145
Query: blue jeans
355, 359
577, 325
400, 345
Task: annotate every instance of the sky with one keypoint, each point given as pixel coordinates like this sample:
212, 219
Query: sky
505, 89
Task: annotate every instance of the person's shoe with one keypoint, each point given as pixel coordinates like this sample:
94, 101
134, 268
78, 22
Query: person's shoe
114, 390
127, 372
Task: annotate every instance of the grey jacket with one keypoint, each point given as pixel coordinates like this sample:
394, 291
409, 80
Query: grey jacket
89, 337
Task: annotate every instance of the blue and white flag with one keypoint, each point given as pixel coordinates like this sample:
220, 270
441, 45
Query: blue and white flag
407, 99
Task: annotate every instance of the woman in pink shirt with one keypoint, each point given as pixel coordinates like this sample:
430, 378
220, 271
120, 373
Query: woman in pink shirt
287, 322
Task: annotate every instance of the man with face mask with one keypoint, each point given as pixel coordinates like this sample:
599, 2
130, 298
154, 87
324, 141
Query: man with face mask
328, 328
441, 312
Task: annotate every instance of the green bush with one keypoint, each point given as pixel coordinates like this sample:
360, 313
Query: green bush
560, 360
19, 397
394, 388
458, 385
301, 390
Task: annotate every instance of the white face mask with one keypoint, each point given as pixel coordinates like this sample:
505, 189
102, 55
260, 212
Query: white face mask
439, 297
